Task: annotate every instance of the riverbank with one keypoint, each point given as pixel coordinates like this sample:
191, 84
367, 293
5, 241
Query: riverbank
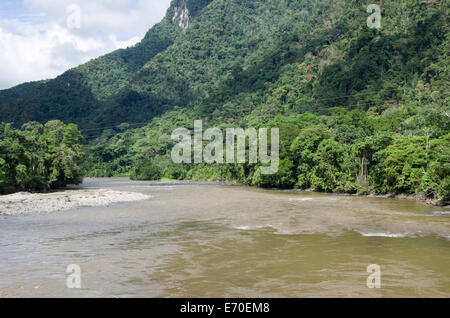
408, 197
420, 198
188, 239
23, 202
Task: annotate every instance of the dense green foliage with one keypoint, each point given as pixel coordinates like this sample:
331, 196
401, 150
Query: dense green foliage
359, 110
81, 93
39, 157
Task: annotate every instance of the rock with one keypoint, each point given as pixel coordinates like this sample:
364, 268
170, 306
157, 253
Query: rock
19, 203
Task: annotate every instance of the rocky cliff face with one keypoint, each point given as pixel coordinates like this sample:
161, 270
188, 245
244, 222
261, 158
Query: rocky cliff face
181, 15
183, 12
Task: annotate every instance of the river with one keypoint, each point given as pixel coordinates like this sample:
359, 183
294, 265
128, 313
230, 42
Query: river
211, 240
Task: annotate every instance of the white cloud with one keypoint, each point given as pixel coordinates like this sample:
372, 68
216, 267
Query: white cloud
44, 47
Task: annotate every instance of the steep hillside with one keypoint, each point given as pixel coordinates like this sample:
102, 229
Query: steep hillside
199, 44
359, 109
225, 34
79, 93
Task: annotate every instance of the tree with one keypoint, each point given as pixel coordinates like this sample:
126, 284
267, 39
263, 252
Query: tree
39, 157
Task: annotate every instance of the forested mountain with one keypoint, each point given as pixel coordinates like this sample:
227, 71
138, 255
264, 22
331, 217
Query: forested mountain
360, 110
79, 94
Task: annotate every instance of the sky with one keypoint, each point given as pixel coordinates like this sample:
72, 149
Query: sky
40, 39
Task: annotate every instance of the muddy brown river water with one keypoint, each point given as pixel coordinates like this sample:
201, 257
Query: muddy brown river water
194, 240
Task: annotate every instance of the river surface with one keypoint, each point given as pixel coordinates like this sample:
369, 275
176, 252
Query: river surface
194, 240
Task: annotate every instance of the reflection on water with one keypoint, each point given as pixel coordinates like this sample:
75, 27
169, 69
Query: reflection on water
196, 240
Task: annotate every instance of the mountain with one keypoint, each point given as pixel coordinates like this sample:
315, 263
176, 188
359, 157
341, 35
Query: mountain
193, 50
78, 94
360, 109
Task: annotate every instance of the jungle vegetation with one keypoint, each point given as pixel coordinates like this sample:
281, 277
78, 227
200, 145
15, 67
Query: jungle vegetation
360, 110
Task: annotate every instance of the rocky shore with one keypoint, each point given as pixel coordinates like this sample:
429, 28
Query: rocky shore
21, 203
410, 197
